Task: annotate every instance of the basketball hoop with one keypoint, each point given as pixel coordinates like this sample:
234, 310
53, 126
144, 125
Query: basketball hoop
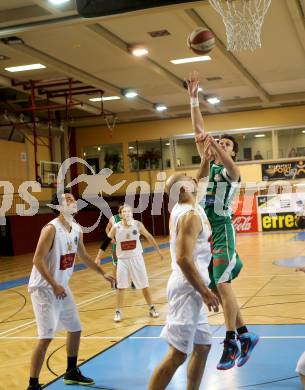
243, 20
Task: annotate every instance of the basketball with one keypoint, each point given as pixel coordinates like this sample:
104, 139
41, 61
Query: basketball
201, 41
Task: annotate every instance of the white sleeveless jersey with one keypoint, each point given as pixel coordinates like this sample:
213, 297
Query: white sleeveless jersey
202, 251
128, 240
60, 260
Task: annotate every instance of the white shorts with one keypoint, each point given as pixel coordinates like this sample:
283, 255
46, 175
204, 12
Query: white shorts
300, 368
54, 315
187, 320
132, 269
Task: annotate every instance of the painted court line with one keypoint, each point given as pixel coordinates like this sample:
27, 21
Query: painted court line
140, 337
86, 302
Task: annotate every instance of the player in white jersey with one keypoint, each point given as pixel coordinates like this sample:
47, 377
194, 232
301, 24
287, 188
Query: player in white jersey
54, 308
131, 265
187, 330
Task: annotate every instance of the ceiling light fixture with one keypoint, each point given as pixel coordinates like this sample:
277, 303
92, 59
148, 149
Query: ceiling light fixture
213, 100
167, 144
190, 59
105, 98
160, 107
130, 147
138, 51
58, 2
23, 68
259, 135
200, 89
303, 131
129, 93
99, 148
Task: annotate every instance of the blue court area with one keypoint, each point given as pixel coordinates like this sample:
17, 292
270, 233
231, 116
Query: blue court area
128, 364
299, 236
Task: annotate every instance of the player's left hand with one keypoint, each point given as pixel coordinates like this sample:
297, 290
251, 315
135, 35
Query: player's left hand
109, 278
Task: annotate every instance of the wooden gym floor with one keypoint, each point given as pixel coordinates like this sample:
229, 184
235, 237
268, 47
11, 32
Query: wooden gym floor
267, 295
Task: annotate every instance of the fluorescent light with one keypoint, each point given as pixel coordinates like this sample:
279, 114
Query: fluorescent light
303, 131
24, 67
130, 147
99, 148
139, 51
160, 107
129, 93
213, 100
190, 59
84, 154
200, 89
259, 135
98, 99
58, 2
167, 144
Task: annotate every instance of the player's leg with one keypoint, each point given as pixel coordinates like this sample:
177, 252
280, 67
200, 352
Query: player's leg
123, 280
37, 360
44, 302
202, 346
300, 369
226, 267
196, 366
70, 321
139, 276
163, 374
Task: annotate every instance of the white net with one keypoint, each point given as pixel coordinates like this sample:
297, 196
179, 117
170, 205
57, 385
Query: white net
243, 20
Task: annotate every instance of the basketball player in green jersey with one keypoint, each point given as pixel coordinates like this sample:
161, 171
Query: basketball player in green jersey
225, 264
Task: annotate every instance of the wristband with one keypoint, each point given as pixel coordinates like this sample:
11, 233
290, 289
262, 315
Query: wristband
194, 102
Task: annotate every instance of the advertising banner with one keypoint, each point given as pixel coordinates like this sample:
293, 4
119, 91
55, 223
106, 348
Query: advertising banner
289, 170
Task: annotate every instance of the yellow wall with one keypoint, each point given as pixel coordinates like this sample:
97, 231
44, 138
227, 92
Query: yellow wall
12, 168
124, 133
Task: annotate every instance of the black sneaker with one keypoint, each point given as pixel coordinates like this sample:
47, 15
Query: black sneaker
75, 377
229, 355
132, 285
34, 387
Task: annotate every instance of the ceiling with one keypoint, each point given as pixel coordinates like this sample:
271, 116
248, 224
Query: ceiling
95, 52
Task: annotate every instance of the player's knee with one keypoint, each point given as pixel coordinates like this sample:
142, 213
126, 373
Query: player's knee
202, 349
178, 357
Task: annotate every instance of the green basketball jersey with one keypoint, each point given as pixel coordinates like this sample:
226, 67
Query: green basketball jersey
220, 194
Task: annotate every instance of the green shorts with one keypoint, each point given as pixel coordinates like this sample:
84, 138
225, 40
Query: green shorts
226, 264
114, 256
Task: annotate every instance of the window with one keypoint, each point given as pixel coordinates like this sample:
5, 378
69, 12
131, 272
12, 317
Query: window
149, 155
291, 142
254, 146
186, 153
105, 156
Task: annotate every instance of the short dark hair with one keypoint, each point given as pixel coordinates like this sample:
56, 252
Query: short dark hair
235, 143
56, 199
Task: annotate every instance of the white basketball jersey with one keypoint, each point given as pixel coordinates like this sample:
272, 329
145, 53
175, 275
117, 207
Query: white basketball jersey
202, 251
128, 240
60, 260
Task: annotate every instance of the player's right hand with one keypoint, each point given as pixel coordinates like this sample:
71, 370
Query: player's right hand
97, 261
59, 291
193, 84
211, 300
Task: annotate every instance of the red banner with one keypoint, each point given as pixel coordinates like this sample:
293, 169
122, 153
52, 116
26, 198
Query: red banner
245, 223
245, 215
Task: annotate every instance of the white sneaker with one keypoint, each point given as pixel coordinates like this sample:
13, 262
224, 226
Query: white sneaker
153, 312
117, 316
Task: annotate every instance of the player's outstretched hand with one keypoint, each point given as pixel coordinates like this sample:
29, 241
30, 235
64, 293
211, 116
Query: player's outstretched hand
211, 300
193, 84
